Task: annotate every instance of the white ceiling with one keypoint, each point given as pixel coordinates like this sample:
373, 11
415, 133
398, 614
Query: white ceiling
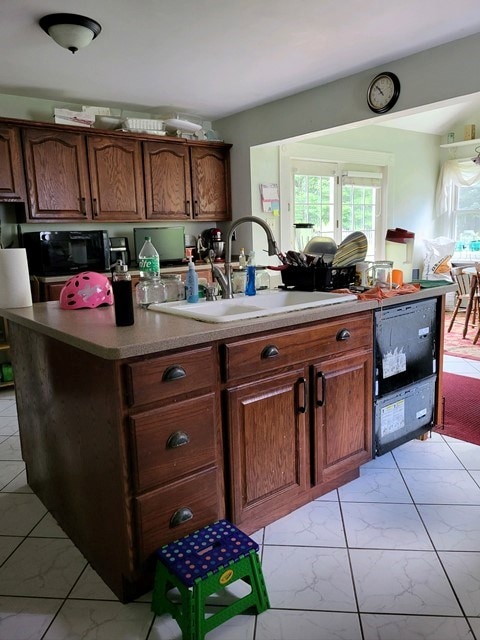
213, 58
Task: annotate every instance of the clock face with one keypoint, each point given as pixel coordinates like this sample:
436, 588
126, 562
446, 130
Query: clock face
383, 92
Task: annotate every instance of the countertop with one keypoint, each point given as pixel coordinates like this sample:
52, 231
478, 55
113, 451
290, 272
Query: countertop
94, 330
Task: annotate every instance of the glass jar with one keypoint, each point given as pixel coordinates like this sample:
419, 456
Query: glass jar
149, 291
381, 274
238, 280
174, 287
262, 278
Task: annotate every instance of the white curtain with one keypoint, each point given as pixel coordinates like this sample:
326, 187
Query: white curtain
460, 173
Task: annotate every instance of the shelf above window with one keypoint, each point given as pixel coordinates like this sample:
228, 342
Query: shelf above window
461, 143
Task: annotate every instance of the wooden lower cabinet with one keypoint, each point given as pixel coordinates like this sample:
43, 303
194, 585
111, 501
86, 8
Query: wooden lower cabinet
296, 432
268, 443
342, 412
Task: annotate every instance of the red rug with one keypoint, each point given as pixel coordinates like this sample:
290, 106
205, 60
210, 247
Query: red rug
455, 344
461, 408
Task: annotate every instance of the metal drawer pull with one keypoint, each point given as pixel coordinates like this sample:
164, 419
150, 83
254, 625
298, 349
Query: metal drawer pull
343, 334
303, 409
184, 514
321, 400
270, 351
174, 373
177, 439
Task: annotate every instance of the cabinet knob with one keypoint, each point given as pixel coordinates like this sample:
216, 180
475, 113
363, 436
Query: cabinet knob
95, 207
343, 334
174, 373
270, 351
177, 439
184, 514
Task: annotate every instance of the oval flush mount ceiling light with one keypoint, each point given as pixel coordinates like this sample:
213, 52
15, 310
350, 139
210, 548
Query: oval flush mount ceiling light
69, 30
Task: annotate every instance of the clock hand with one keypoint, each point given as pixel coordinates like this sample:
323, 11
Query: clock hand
379, 90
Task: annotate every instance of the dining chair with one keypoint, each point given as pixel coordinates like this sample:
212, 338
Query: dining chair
464, 293
477, 267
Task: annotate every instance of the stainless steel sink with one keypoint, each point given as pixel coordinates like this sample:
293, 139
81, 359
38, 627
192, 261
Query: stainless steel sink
265, 303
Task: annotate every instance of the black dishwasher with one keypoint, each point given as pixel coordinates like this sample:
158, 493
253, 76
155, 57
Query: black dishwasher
405, 372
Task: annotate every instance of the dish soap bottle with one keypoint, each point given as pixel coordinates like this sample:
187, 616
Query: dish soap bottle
122, 295
191, 282
250, 289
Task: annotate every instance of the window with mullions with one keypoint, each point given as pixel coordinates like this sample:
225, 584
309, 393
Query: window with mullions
338, 206
466, 220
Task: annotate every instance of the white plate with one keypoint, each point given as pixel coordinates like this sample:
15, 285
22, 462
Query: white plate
183, 125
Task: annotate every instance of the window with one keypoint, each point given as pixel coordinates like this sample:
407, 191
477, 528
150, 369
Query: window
458, 206
466, 222
337, 201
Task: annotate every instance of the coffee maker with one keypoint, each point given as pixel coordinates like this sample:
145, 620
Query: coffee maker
211, 240
119, 250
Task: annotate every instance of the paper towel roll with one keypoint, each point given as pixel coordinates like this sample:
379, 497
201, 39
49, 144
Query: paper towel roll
15, 289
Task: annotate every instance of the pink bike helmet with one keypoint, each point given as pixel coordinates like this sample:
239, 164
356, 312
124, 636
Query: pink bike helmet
86, 290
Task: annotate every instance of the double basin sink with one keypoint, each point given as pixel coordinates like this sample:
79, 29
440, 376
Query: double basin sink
241, 307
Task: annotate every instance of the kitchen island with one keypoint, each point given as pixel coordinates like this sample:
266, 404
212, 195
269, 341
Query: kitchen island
135, 436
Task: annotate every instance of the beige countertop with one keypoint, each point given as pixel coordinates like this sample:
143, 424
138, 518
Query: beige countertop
94, 330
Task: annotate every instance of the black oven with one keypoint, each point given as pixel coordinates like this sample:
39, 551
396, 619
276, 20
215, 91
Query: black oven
59, 253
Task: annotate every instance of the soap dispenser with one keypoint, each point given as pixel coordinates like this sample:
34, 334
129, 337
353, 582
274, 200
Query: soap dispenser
250, 288
191, 282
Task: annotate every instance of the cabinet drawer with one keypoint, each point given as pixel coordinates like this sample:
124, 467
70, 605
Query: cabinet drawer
259, 355
173, 441
157, 510
168, 376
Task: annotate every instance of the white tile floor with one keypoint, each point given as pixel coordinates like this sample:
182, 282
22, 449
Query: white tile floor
393, 555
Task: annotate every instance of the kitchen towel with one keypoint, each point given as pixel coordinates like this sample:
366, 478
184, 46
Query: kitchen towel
14, 279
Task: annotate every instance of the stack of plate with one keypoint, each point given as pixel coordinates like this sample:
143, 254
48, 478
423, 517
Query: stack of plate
351, 250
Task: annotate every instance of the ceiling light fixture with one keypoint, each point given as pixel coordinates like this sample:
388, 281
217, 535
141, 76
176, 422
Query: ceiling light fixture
70, 30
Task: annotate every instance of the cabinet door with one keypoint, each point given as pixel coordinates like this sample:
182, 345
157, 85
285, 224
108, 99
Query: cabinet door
269, 448
342, 399
167, 181
57, 175
116, 178
211, 183
12, 183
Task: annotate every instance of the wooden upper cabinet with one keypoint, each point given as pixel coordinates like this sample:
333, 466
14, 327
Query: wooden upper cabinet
167, 180
210, 167
12, 183
57, 175
116, 179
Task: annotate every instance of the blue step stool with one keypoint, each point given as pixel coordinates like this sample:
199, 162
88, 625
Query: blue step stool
202, 564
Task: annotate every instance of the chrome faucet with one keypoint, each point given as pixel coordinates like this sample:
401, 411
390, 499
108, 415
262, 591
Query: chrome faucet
225, 279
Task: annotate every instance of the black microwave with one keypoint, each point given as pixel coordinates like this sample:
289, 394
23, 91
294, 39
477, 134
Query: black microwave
61, 253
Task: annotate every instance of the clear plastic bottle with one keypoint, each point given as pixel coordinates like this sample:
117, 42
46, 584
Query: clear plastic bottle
150, 288
148, 260
242, 260
122, 295
250, 288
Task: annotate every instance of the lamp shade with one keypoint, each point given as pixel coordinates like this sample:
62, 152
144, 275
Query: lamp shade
70, 30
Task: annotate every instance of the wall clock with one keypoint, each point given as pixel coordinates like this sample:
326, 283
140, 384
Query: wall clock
383, 92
